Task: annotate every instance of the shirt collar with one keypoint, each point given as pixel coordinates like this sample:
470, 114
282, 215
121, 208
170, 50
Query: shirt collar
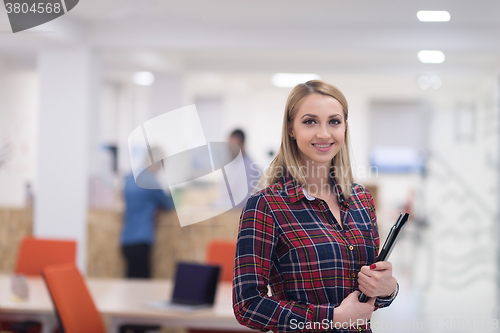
296, 192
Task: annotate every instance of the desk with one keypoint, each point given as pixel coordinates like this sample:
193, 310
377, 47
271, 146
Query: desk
122, 302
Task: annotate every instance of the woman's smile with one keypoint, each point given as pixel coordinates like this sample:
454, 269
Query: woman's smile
322, 146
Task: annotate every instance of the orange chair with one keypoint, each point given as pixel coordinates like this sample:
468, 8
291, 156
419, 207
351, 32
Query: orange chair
36, 253
72, 300
33, 255
75, 308
222, 252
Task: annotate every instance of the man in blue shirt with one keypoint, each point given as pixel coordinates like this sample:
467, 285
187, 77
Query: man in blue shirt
252, 169
141, 206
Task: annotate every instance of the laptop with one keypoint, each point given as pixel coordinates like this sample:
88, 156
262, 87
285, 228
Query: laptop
195, 286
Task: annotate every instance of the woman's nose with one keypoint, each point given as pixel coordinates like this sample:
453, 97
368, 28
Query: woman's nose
323, 132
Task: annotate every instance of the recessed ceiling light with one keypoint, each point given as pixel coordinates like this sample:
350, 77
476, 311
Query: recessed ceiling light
435, 82
433, 16
287, 80
426, 81
143, 78
431, 57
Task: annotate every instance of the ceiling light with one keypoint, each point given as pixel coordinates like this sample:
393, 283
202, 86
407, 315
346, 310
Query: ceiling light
433, 16
143, 78
424, 82
287, 80
431, 57
435, 82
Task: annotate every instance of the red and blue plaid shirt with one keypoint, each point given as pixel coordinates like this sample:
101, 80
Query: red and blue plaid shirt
292, 242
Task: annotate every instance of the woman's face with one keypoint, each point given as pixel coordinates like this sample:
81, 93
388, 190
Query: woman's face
319, 122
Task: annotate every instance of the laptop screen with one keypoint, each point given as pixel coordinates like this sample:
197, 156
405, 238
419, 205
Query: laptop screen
195, 284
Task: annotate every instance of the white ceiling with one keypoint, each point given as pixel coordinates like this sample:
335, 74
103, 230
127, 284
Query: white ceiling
272, 35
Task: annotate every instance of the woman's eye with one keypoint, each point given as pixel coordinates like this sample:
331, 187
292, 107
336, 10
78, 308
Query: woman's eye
333, 121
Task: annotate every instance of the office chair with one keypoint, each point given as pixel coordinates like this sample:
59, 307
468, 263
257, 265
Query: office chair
36, 253
32, 256
72, 300
222, 253
74, 306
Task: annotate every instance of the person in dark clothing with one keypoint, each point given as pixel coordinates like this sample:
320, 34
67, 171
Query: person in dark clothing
141, 207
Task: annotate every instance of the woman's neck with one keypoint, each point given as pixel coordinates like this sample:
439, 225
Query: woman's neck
318, 179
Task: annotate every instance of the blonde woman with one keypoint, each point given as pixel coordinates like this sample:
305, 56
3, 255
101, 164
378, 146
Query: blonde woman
311, 233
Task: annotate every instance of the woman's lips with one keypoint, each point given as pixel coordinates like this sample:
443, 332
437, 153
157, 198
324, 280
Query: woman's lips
323, 149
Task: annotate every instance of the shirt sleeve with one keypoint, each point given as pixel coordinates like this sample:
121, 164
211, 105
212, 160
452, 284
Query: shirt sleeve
253, 264
379, 302
163, 200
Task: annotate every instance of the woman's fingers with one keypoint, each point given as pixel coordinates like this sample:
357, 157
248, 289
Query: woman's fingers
377, 279
366, 271
366, 288
366, 285
352, 312
376, 276
356, 293
380, 266
371, 301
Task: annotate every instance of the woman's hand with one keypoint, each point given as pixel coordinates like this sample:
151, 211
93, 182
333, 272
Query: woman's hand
377, 280
353, 312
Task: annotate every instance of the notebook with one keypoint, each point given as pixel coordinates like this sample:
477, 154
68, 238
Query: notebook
195, 286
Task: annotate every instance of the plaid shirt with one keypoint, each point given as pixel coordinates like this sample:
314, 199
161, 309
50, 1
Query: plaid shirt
292, 242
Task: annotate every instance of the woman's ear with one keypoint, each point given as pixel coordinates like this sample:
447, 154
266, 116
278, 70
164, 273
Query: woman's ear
290, 128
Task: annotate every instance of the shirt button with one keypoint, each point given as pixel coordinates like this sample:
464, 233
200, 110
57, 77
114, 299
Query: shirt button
351, 247
353, 275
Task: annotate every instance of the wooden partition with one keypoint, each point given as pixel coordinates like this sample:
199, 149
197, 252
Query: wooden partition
173, 242
104, 258
15, 224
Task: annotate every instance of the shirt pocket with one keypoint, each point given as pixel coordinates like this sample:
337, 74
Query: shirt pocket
361, 219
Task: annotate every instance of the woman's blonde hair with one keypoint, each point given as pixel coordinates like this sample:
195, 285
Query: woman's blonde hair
287, 159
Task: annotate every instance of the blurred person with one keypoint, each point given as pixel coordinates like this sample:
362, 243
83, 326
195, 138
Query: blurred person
141, 210
252, 169
29, 198
310, 235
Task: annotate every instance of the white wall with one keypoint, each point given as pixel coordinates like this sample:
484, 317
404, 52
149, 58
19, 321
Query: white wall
67, 144
18, 131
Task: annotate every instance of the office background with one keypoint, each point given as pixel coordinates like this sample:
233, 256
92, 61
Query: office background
424, 135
